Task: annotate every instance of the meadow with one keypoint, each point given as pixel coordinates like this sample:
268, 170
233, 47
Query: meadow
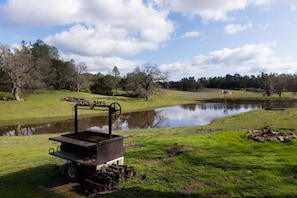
216, 160
46, 105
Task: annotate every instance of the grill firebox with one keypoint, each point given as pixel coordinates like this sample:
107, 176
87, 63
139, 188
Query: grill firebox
88, 148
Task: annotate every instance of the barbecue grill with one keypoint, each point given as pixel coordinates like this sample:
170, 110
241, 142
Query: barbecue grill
88, 151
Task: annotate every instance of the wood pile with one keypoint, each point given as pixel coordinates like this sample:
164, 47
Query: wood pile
71, 99
268, 134
106, 179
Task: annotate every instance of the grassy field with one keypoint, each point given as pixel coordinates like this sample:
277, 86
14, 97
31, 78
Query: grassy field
216, 160
45, 106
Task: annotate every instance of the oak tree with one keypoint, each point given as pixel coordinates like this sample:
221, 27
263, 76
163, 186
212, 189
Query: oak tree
18, 65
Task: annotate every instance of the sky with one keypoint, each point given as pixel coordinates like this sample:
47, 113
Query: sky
183, 38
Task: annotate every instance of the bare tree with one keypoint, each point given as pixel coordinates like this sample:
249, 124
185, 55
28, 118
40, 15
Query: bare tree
17, 64
266, 83
79, 70
116, 74
146, 81
279, 83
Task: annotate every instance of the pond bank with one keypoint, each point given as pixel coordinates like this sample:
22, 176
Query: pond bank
197, 114
45, 106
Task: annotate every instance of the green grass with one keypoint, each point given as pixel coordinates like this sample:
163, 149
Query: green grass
24, 165
258, 119
221, 163
45, 105
216, 160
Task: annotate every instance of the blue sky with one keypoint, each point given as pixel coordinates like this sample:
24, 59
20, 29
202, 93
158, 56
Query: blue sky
182, 37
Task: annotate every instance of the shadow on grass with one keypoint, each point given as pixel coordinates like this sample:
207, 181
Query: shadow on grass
240, 176
46, 181
40, 181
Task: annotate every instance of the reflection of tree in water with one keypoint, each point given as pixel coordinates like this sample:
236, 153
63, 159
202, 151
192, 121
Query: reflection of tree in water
160, 117
32, 129
215, 106
143, 120
137, 120
147, 119
18, 130
281, 103
191, 107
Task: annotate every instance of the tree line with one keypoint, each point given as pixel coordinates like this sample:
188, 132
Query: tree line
268, 83
38, 66
30, 67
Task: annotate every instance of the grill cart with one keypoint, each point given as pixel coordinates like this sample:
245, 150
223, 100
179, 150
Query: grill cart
87, 152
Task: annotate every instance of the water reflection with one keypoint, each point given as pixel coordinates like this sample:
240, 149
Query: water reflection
176, 116
202, 114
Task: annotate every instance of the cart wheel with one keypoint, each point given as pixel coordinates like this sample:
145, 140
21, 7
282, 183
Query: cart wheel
72, 171
116, 110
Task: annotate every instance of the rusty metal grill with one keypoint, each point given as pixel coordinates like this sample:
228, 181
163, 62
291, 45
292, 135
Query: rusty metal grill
87, 147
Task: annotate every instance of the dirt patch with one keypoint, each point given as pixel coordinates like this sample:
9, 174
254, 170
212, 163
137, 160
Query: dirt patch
244, 181
104, 181
191, 187
177, 150
199, 131
151, 161
59, 187
126, 146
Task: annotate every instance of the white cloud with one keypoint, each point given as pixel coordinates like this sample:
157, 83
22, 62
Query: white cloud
236, 28
245, 60
293, 7
180, 70
216, 10
100, 28
104, 64
191, 34
248, 59
207, 10
41, 12
100, 32
100, 41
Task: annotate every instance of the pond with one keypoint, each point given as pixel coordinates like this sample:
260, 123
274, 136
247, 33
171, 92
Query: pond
177, 116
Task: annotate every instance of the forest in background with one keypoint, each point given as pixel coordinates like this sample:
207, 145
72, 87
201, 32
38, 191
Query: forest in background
30, 67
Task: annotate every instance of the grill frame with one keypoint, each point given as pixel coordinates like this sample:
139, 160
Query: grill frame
88, 147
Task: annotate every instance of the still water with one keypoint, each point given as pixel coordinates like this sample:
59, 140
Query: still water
176, 116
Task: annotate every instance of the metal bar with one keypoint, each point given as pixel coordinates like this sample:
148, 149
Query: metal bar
75, 119
75, 141
112, 109
109, 122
